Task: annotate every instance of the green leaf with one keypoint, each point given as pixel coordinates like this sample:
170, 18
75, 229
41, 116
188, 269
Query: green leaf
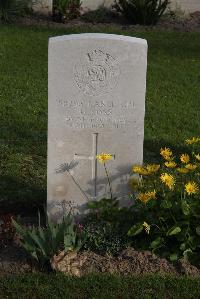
156, 243
187, 254
174, 231
173, 257
198, 230
18, 228
92, 205
135, 230
165, 204
185, 208
183, 246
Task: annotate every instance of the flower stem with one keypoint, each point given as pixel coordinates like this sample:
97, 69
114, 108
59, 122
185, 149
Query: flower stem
108, 180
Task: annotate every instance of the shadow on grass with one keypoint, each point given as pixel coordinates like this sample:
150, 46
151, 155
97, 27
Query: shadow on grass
19, 198
152, 149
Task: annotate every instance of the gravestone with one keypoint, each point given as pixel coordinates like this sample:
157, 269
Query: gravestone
96, 102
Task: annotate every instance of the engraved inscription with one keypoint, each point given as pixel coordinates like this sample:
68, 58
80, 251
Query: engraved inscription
97, 73
80, 114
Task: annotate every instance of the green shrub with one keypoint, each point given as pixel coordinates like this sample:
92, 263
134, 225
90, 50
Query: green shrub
12, 8
143, 12
167, 205
106, 225
102, 238
41, 243
67, 9
100, 15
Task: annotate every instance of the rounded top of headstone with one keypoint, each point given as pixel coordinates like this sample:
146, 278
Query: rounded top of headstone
104, 36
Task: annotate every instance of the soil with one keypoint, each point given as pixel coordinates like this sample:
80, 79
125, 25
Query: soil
14, 261
191, 23
130, 261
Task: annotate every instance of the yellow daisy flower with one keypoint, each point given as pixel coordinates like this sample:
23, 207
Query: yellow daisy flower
184, 158
183, 170
152, 168
147, 227
168, 180
140, 170
170, 164
166, 153
145, 197
193, 140
103, 157
197, 157
152, 194
191, 188
191, 166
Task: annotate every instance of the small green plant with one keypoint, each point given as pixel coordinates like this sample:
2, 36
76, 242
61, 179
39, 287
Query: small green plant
41, 243
12, 8
143, 12
167, 206
107, 223
68, 9
103, 238
106, 226
100, 15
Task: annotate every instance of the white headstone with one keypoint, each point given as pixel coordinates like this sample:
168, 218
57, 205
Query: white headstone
97, 86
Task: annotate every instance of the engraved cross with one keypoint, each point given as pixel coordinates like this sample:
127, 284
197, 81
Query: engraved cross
92, 158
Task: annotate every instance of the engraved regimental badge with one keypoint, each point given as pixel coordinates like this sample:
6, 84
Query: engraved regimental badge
97, 73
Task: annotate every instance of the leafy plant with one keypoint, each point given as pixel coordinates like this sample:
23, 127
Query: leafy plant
143, 12
107, 222
12, 8
102, 238
100, 15
68, 9
167, 206
106, 226
41, 243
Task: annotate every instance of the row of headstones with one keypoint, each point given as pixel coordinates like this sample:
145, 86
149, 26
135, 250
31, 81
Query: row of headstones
184, 6
46, 6
97, 86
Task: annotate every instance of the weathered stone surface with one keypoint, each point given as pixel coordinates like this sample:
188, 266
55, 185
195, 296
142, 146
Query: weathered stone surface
97, 88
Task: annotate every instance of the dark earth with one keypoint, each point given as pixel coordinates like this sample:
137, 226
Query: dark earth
190, 23
14, 261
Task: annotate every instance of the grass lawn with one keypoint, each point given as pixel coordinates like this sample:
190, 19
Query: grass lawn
172, 104
99, 286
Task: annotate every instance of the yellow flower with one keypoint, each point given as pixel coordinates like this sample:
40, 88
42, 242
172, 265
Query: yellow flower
152, 168
191, 166
152, 194
140, 170
191, 188
145, 197
166, 153
197, 157
184, 158
183, 170
193, 140
170, 164
168, 180
103, 157
147, 227
148, 170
